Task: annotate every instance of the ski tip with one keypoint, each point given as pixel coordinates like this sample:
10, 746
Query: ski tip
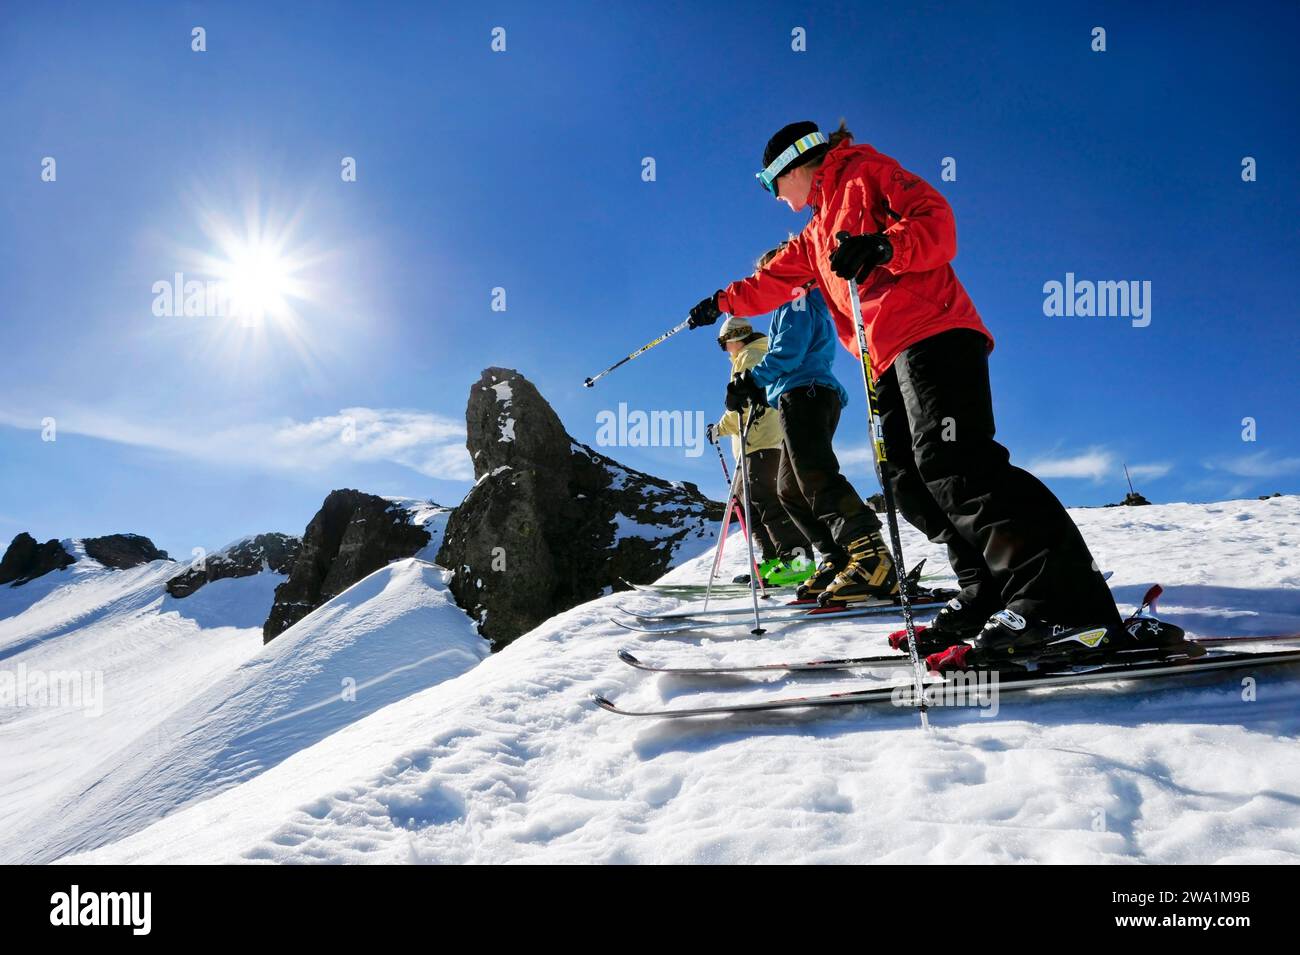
603, 703
628, 658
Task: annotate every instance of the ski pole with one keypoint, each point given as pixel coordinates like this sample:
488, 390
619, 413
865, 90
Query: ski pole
723, 461
722, 538
887, 491
732, 504
644, 348
742, 466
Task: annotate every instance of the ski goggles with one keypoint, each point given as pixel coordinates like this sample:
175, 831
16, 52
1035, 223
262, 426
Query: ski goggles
767, 178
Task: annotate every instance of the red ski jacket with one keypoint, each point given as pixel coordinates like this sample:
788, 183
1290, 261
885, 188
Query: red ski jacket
915, 295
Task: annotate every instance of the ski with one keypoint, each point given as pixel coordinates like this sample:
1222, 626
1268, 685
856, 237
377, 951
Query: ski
1008, 682
701, 614
865, 609
692, 590
793, 607
880, 660
737, 589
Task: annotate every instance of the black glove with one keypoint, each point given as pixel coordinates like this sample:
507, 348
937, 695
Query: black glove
707, 312
711, 432
857, 255
743, 390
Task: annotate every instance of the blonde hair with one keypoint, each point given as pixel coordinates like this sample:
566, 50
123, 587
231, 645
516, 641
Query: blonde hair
770, 254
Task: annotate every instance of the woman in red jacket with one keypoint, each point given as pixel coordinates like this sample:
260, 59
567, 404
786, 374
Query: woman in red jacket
1023, 568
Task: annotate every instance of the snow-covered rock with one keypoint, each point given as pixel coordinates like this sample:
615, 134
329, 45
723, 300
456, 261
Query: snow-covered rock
550, 522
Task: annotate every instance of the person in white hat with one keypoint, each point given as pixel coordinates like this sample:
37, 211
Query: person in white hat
786, 552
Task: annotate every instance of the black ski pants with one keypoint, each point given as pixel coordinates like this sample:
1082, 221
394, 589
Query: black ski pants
776, 534
1010, 541
818, 498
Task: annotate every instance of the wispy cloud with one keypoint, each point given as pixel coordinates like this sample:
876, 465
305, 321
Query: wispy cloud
1149, 472
430, 444
1260, 464
1096, 464
861, 456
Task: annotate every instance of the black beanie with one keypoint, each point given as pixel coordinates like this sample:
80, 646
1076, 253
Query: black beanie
787, 136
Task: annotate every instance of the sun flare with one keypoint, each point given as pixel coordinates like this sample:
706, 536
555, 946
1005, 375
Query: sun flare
259, 282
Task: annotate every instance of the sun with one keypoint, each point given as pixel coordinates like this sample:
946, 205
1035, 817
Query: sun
268, 277
259, 282
261, 271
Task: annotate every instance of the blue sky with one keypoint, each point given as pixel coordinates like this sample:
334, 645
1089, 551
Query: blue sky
523, 170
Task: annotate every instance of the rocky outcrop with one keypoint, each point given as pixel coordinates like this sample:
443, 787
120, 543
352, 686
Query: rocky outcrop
352, 535
1131, 499
26, 560
252, 555
122, 551
551, 523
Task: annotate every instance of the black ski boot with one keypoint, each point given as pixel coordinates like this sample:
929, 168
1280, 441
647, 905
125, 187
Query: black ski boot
1149, 637
959, 620
1008, 635
870, 574
827, 571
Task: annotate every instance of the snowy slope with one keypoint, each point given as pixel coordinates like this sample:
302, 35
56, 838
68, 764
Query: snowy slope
509, 762
390, 635
137, 653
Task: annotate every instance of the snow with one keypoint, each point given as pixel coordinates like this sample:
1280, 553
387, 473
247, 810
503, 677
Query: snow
149, 652
432, 517
510, 762
506, 423
392, 634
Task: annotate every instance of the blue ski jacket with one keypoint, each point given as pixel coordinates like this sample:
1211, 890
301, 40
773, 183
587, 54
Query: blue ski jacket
801, 348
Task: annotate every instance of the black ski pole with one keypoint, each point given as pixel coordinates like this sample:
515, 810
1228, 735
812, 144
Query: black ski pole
891, 514
644, 348
725, 473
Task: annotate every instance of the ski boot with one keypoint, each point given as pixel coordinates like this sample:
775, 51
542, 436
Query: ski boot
927, 641
789, 571
1008, 635
781, 572
958, 621
869, 575
826, 572
1150, 638
1009, 641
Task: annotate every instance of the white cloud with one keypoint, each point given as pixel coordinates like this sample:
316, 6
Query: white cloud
862, 456
1095, 464
1260, 464
1149, 472
430, 444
